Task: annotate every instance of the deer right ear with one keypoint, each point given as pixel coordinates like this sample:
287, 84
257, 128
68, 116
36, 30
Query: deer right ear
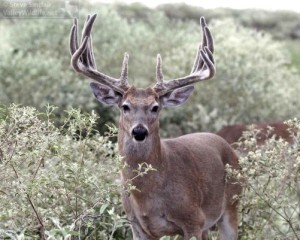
105, 94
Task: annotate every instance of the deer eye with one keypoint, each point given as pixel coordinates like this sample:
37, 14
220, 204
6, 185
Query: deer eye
125, 108
154, 109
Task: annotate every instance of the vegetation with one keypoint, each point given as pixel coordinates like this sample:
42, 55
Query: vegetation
57, 182
271, 198
62, 183
58, 166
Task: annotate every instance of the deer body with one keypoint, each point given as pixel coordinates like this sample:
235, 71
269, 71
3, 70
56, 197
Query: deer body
188, 193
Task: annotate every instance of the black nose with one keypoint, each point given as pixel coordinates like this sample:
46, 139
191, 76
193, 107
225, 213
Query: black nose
139, 133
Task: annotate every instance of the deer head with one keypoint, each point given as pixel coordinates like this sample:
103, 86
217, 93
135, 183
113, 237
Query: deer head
139, 107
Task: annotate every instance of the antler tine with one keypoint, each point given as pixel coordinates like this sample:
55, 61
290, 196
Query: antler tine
87, 57
203, 68
83, 60
124, 72
91, 57
159, 73
203, 25
207, 41
209, 69
74, 38
85, 29
198, 61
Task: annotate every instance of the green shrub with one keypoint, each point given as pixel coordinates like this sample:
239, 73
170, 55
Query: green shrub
280, 24
270, 204
62, 182
57, 182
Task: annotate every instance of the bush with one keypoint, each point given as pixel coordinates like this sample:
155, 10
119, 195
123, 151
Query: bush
57, 182
270, 204
280, 24
61, 182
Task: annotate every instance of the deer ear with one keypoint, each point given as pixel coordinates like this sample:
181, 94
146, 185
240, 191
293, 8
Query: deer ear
105, 94
176, 97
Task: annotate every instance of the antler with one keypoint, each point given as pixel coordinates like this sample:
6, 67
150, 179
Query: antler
204, 67
83, 60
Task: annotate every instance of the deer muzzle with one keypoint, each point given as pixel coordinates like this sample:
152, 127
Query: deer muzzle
140, 133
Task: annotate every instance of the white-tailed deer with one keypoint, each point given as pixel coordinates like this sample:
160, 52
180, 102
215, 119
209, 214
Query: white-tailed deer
234, 133
188, 193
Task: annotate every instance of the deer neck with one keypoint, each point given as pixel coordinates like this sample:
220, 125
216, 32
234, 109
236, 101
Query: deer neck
135, 153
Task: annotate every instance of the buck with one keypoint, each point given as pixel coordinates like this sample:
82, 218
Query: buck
188, 193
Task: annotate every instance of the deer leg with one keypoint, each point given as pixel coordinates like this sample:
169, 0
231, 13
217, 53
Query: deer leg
205, 235
139, 233
197, 235
228, 224
190, 222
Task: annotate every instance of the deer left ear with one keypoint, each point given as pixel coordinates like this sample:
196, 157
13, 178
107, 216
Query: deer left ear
105, 94
176, 97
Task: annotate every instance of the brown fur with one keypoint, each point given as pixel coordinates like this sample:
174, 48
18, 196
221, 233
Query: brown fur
234, 133
188, 193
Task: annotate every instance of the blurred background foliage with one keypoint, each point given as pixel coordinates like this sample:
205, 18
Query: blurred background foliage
257, 57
